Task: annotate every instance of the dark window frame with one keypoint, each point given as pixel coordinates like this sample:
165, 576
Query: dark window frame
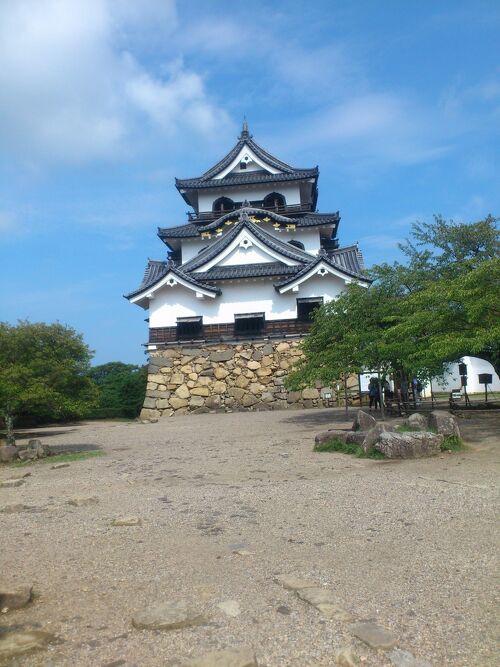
190, 327
249, 324
307, 305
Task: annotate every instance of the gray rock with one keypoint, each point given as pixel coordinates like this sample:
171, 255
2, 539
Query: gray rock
14, 643
41, 450
10, 483
126, 521
149, 403
222, 355
444, 423
345, 657
356, 437
292, 583
167, 616
14, 508
15, 597
326, 436
27, 454
373, 435
83, 501
363, 421
8, 453
373, 635
417, 420
325, 601
58, 466
409, 445
401, 658
229, 658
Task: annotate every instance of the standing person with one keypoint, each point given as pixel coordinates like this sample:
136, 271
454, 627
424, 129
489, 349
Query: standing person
374, 393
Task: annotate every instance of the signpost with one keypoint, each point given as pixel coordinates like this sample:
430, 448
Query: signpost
462, 369
486, 379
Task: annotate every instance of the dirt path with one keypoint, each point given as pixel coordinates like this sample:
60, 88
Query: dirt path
410, 544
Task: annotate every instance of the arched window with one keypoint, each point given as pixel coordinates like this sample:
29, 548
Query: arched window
297, 244
223, 205
274, 200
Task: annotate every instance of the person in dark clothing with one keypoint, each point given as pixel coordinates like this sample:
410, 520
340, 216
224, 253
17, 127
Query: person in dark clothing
374, 394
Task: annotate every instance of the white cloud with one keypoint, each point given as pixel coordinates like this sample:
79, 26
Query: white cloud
72, 92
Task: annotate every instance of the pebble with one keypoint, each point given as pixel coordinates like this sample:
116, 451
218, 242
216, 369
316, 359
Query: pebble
292, 583
14, 643
346, 658
83, 501
58, 466
126, 521
230, 607
401, 658
15, 597
373, 635
9, 483
228, 658
167, 616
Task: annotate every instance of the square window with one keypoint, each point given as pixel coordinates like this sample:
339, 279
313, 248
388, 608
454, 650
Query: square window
306, 307
249, 324
189, 327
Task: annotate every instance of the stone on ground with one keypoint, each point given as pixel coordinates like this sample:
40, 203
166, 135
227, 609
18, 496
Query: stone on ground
444, 423
345, 657
356, 437
363, 421
336, 612
230, 658
326, 436
292, 583
409, 445
126, 521
167, 616
15, 507
373, 435
8, 453
401, 658
15, 597
373, 635
14, 643
230, 607
417, 420
317, 596
83, 501
58, 466
9, 483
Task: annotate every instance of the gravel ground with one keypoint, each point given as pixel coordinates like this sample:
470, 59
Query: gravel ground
410, 544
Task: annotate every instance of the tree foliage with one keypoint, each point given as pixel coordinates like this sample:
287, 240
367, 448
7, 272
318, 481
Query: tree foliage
43, 372
440, 304
122, 388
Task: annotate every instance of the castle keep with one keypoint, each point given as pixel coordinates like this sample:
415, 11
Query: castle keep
232, 301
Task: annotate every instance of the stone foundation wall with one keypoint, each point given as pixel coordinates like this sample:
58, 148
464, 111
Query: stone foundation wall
245, 376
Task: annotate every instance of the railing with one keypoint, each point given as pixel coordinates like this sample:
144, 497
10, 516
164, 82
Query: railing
287, 209
225, 332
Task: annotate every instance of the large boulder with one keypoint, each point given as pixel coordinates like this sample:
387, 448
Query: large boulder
355, 437
444, 423
409, 445
373, 435
417, 420
326, 436
363, 421
8, 453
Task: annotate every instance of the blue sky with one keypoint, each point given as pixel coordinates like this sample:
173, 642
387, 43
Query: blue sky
103, 102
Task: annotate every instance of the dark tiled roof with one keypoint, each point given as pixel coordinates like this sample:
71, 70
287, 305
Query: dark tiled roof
245, 139
156, 270
195, 229
248, 178
269, 240
248, 271
348, 260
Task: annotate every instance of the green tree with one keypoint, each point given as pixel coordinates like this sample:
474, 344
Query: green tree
43, 373
438, 306
122, 388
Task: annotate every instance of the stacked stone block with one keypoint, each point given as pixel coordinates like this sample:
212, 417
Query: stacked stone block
222, 377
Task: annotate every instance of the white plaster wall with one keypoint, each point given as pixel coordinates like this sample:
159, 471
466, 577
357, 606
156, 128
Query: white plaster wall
251, 255
243, 297
291, 192
309, 237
